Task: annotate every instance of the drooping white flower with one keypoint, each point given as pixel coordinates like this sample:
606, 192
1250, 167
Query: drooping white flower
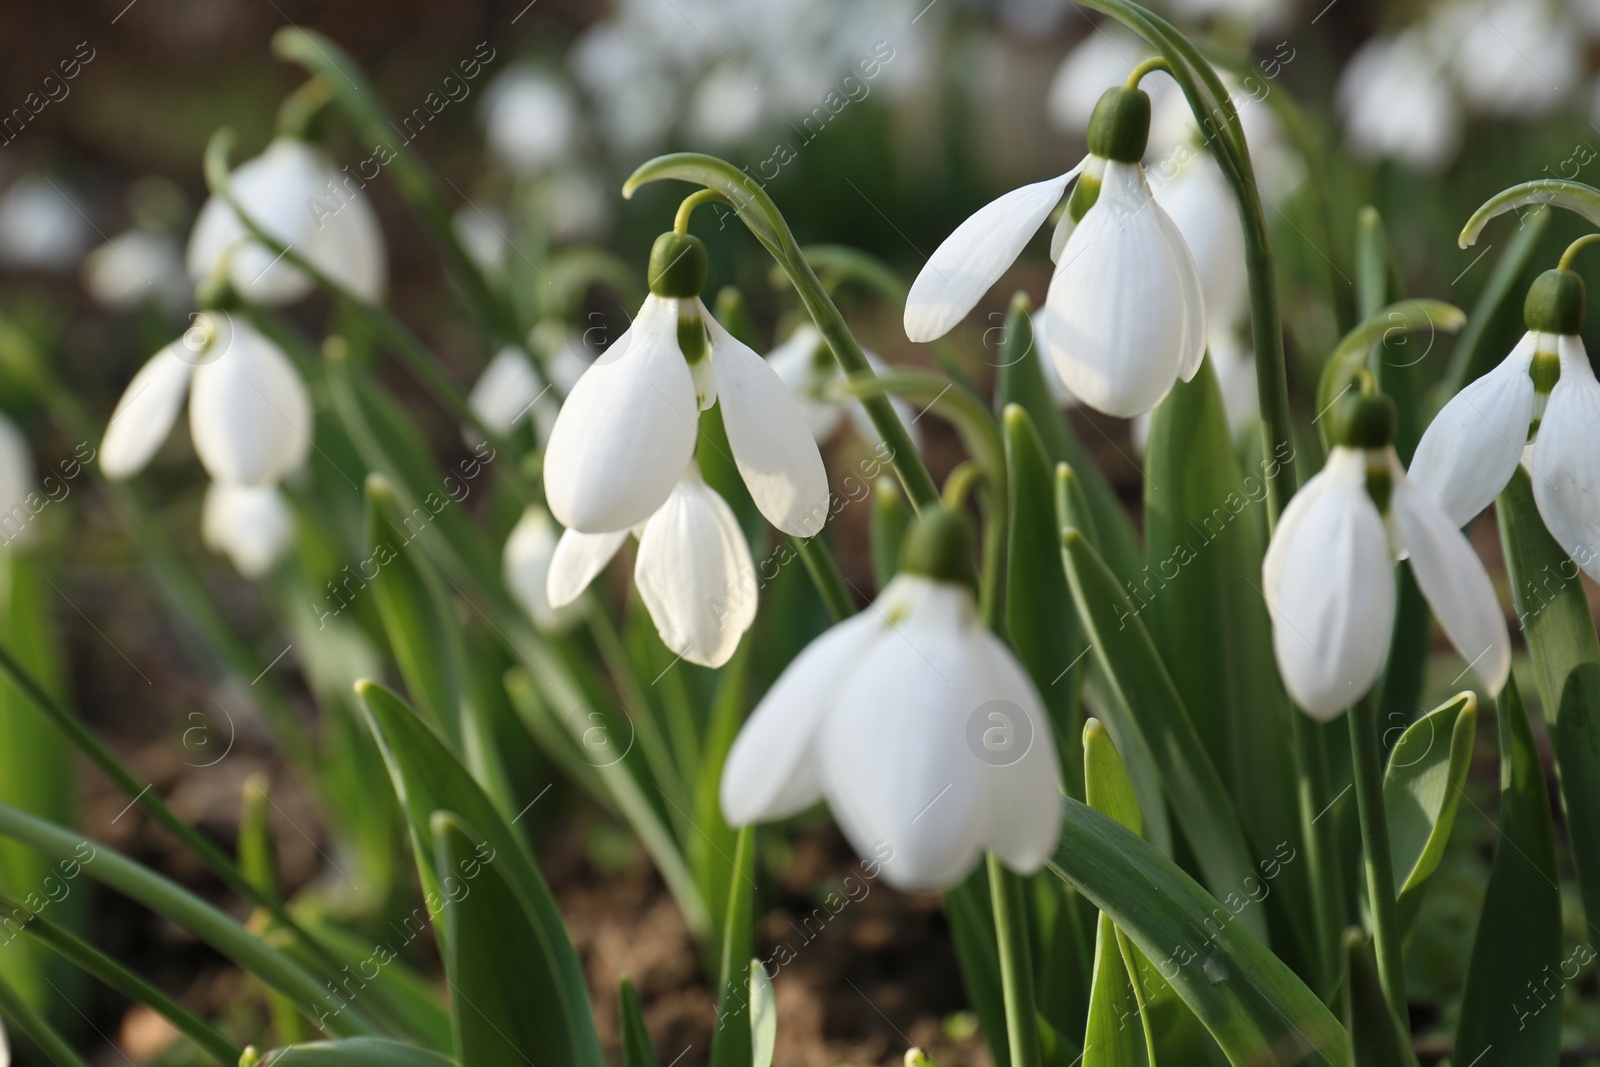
41, 225
1545, 393
1397, 103
1124, 317
249, 411
137, 266
16, 484
629, 426
1328, 578
1514, 59
530, 119
482, 232
920, 729
529, 552
510, 390
250, 524
808, 368
296, 194
693, 571
725, 107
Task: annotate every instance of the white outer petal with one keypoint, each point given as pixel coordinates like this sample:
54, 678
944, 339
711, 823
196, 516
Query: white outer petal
275, 189
772, 446
1470, 449
249, 411
578, 559
529, 553
771, 771
1286, 533
627, 431
896, 767
250, 524
506, 391
1566, 460
1116, 319
1194, 301
974, 256
695, 574
345, 241
144, 415
1333, 601
1453, 580
1024, 793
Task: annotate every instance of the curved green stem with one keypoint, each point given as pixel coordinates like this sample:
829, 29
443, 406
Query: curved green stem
1149, 66
94, 962
825, 575
1574, 248
1581, 199
757, 211
1367, 761
1016, 966
680, 221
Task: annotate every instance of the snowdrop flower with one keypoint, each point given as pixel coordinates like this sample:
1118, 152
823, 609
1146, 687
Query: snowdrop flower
136, 266
1124, 316
1515, 59
1545, 393
808, 368
16, 484
41, 226
530, 120
629, 426
482, 233
509, 390
693, 570
249, 411
1329, 580
250, 524
915, 723
724, 108
528, 554
1397, 104
296, 194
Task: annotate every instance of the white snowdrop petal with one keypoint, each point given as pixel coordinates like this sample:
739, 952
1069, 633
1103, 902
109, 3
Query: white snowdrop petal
1115, 321
772, 446
974, 256
527, 560
346, 241
1193, 347
626, 431
1198, 201
578, 559
771, 771
798, 363
1019, 758
1334, 602
1454, 582
144, 415
249, 411
1471, 448
695, 574
506, 391
251, 525
1566, 461
275, 189
896, 767
1286, 533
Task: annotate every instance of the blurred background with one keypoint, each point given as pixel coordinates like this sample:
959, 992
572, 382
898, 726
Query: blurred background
878, 124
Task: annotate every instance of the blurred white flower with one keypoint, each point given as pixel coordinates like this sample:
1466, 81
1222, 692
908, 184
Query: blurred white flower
482, 233
249, 411
41, 226
296, 194
628, 427
725, 107
1328, 577
1200, 203
16, 485
137, 266
693, 571
250, 524
808, 368
1515, 58
1100, 61
577, 206
921, 730
530, 119
509, 390
529, 552
1397, 103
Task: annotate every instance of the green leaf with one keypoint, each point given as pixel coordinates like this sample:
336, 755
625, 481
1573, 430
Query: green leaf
428, 778
763, 1017
499, 1018
355, 1052
1550, 192
1375, 1034
978, 952
1040, 623
1020, 380
1422, 788
1106, 782
1547, 590
1518, 943
1249, 1000
1129, 661
731, 1040
637, 1051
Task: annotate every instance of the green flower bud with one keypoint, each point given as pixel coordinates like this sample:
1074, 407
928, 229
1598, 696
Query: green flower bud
939, 545
1364, 422
1119, 129
1555, 303
677, 265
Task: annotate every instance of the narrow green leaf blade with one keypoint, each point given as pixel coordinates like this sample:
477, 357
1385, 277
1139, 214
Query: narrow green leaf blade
637, 1051
1422, 789
1115, 1034
731, 1041
1375, 1034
